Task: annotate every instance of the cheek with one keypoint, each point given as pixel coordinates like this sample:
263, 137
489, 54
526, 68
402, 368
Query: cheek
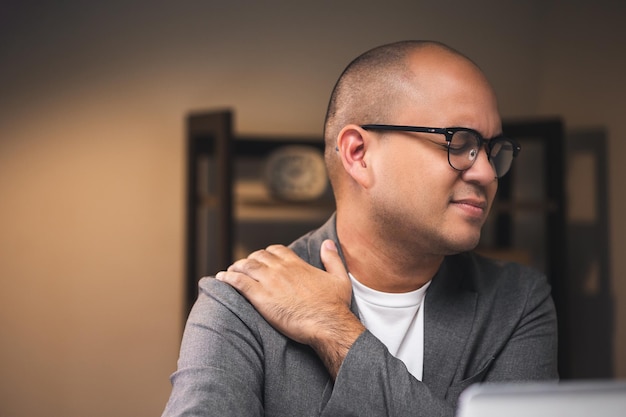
417, 179
396, 175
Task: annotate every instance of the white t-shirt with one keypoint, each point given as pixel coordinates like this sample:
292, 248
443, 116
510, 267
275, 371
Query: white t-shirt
397, 320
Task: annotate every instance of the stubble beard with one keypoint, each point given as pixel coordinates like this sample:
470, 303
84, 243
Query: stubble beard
426, 238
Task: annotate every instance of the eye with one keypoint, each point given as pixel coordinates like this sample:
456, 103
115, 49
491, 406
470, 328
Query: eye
463, 146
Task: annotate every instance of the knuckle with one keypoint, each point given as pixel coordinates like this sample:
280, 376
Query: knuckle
259, 257
245, 265
238, 281
256, 254
251, 265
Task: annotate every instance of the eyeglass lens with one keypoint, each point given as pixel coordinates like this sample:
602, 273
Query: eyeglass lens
464, 148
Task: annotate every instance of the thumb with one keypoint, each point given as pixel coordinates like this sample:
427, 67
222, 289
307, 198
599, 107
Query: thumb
331, 259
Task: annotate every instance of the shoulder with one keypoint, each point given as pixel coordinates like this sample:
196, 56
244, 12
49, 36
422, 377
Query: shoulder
220, 304
495, 281
479, 272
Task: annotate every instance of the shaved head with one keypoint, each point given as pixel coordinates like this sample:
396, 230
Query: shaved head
371, 89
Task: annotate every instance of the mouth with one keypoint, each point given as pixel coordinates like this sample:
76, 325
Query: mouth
474, 202
472, 207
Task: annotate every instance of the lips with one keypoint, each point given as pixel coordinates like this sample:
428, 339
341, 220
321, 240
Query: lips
478, 203
472, 208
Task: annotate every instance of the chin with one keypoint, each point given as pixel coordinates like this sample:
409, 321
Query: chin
463, 244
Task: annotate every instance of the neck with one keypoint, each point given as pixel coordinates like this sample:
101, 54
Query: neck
378, 262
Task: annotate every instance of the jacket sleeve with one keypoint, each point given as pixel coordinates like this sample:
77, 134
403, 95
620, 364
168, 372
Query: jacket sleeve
371, 382
220, 369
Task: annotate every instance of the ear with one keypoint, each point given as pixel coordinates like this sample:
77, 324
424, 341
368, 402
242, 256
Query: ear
353, 144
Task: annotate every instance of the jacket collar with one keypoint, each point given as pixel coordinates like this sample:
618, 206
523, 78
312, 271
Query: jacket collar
450, 306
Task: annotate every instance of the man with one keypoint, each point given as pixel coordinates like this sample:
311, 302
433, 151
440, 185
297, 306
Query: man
404, 317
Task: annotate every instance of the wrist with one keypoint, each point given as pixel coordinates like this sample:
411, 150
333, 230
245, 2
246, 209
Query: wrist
333, 342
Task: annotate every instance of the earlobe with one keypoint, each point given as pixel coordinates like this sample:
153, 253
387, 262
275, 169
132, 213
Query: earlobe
352, 144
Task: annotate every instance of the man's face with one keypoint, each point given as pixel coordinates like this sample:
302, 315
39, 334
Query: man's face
418, 196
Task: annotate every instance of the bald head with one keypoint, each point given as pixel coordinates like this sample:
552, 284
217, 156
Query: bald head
376, 84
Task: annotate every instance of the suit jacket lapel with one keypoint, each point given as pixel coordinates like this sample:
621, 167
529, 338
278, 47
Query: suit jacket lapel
449, 310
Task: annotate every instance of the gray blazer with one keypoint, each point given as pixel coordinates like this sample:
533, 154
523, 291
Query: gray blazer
484, 321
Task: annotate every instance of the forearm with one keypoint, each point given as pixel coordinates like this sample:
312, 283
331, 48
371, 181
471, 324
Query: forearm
371, 382
334, 340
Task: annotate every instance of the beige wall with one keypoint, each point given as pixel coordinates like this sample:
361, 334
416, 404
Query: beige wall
91, 156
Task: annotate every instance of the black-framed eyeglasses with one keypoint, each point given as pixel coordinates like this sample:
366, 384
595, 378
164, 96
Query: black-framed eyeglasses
464, 144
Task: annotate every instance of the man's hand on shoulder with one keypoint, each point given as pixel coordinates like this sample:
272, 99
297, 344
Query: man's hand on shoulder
306, 304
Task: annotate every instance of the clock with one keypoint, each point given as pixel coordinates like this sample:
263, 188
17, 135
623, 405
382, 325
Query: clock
296, 173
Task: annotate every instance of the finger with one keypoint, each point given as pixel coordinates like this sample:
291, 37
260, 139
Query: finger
270, 256
241, 282
331, 259
278, 255
246, 266
280, 251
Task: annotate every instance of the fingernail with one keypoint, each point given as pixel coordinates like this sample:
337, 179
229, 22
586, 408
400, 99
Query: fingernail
330, 245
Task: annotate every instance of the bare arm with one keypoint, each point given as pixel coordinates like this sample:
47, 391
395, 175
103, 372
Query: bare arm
304, 303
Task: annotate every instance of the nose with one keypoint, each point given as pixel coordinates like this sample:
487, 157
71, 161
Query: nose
481, 172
